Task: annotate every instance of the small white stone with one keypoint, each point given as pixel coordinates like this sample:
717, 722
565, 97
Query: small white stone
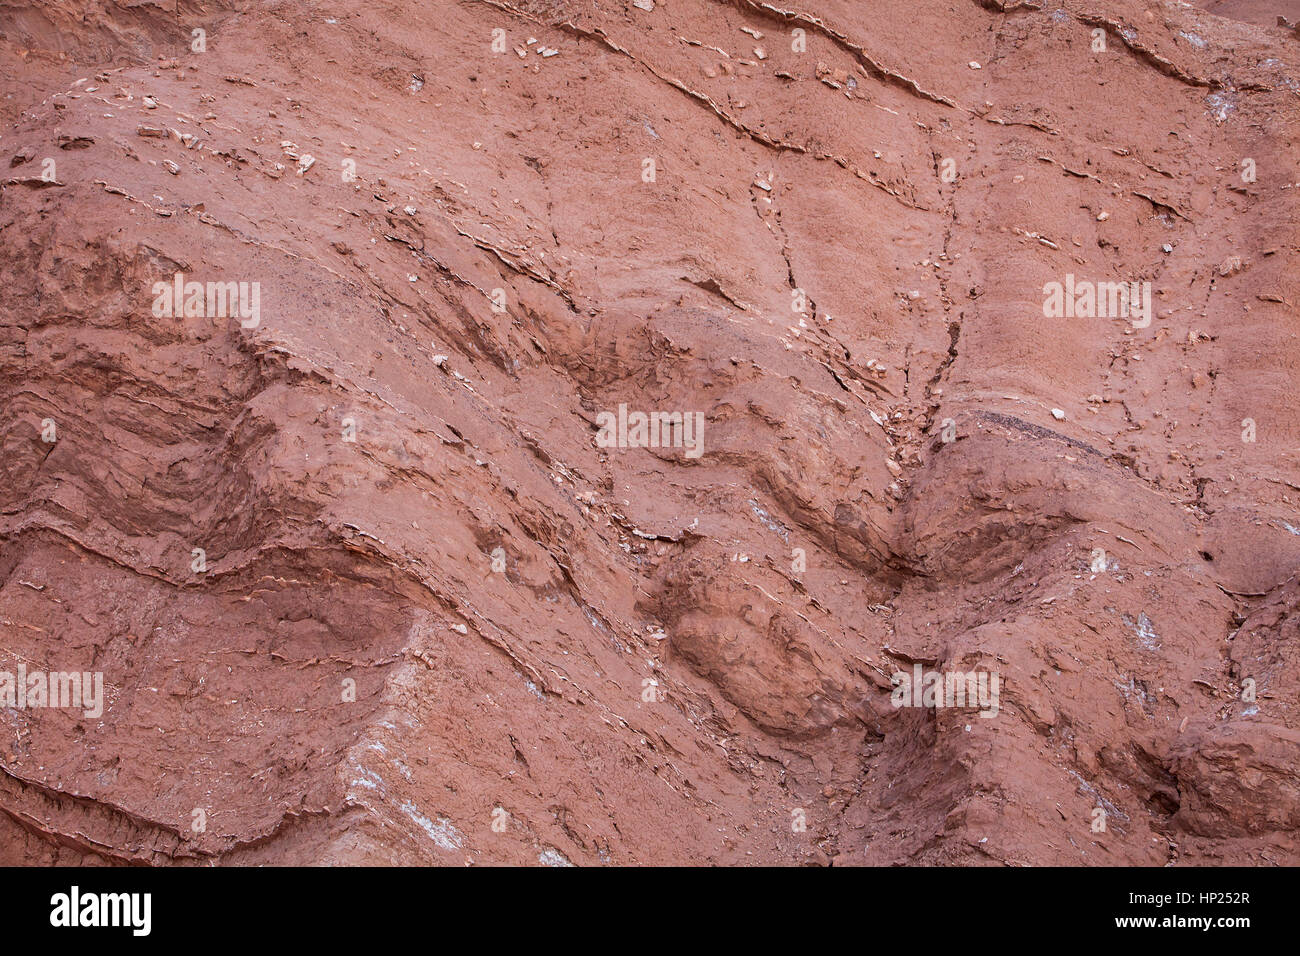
1058, 414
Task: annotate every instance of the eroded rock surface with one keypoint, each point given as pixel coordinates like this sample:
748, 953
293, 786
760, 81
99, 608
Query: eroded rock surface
366, 584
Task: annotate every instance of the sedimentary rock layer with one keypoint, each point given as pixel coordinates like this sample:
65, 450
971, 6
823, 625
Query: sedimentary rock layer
379, 563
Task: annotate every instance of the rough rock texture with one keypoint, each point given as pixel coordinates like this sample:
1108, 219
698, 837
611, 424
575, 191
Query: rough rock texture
564, 652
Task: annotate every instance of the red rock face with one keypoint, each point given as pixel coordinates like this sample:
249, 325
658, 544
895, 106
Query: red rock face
625, 404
